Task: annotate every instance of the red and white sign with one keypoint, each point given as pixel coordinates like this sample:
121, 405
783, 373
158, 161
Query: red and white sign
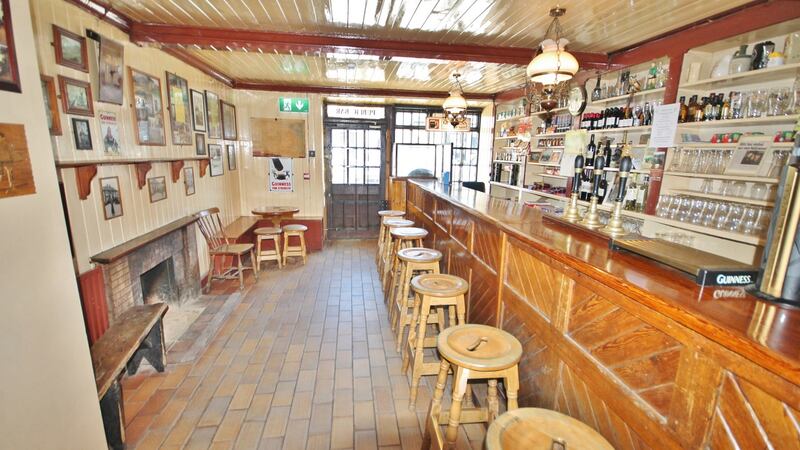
281, 178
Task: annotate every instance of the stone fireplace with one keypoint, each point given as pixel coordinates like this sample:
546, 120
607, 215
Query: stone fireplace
160, 266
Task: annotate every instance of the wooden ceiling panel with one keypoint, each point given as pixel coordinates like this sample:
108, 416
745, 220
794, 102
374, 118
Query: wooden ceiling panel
591, 25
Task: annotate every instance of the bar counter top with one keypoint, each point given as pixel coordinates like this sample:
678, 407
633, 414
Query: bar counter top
765, 333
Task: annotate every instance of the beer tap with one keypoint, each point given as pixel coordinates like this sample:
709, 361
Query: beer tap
614, 227
592, 218
571, 214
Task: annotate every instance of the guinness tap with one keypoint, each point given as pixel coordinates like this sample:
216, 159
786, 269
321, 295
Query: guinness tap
592, 218
614, 227
571, 214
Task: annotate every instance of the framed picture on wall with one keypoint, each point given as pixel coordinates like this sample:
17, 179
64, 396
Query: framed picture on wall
198, 110
70, 49
188, 180
158, 188
76, 96
110, 74
111, 197
51, 105
148, 117
229, 131
109, 132
9, 74
213, 116
231, 150
82, 134
179, 112
200, 144
215, 151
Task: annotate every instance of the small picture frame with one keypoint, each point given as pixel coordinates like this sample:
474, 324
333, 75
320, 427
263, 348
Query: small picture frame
215, 152
231, 150
200, 144
229, 129
188, 180
9, 73
76, 96
198, 110
82, 134
158, 188
750, 155
110, 197
534, 157
70, 49
51, 105
213, 116
555, 156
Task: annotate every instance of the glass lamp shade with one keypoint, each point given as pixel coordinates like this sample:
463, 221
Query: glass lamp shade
455, 103
553, 65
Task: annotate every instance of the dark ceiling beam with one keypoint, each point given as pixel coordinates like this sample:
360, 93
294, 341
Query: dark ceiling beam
748, 17
221, 38
104, 12
355, 91
200, 65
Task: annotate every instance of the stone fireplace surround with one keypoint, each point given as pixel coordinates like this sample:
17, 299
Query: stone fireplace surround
124, 265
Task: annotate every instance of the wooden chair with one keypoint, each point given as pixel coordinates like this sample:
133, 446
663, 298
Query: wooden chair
219, 245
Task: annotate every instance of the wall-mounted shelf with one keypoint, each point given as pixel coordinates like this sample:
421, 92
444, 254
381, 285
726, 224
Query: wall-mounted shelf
544, 164
767, 120
640, 94
621, 130
723, 177
498, 138
743, 78
511, 119
726, 198
504, 185
728, 235
546, 135
552, 111
538, 149
501, 161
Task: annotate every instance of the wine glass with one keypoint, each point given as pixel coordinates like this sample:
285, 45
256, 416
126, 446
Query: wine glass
708, 213
749, 219
675, 165
696, 212
721, 215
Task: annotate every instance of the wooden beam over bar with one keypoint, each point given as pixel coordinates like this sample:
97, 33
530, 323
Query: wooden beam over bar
199, 65
223, 38
359, 91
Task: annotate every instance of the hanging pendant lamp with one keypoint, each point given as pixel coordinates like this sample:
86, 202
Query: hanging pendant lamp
554, 64
455, 106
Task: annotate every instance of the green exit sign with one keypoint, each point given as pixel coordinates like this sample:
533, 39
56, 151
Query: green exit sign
296, 105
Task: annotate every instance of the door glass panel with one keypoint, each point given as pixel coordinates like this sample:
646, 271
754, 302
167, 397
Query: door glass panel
415, 160
356, 175
373, 175
374, 138
339, 138
374, 157
338, 165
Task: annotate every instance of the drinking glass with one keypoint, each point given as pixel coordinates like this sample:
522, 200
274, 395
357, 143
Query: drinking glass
727, 156
689, 159
736, 105
758, 191
716, 166
738, 189
662, 209
762, 223
675, 165
750, 219
704, 161
708, 213
685, 209
779, 159
734, 220
721, 215
674, 206
696, 212
755, 104
726, 188
707, 187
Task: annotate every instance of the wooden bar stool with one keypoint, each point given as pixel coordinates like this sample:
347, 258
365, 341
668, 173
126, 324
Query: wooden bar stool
437, 291
294, 250
391, 223
542, 429
383, 214
404, 237
476, 352
413, 261
268, 234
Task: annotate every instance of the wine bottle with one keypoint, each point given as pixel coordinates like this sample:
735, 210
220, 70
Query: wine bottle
725, 111
684, 110
708, 108
607, 154
591, 149
597, 92
692, 108
601, 190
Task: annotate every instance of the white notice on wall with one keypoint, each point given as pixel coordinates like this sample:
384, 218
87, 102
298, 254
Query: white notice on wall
281, 178
665, 125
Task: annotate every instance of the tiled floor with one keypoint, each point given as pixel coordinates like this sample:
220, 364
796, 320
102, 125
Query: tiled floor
305, 359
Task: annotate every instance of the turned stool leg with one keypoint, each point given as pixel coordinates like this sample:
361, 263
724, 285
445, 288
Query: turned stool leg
419, 348
491, 400
303, 247
255, 262
512, 386
436, 404
459, 388
402, 307
241, 272
412, 333
285, 247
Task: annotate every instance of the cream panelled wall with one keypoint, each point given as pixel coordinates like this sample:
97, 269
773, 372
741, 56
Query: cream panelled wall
91, 232
308, 195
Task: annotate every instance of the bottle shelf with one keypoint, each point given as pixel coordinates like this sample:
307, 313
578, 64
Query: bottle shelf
726, 198
539, 149
511, 119
740, 79
546, 135
723, 177
640, 94
741, 122
503, 161
500, 138
731, 145
552, 111
544, 164
621, 130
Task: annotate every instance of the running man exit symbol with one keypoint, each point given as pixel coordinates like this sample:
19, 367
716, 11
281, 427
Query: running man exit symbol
295, 105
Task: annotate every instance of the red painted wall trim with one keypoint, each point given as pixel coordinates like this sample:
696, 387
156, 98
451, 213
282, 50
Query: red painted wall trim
126, 27
92, 289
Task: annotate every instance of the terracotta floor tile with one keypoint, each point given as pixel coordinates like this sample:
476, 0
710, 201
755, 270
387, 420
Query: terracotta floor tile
259, 407
228, 429
276, 421
242, 396
249, 435
214, 412
366, 440
342, 433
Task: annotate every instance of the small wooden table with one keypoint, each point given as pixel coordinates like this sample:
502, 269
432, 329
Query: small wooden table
276, 213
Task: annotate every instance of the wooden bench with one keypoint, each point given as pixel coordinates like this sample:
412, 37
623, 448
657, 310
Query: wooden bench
241, 228
138, 334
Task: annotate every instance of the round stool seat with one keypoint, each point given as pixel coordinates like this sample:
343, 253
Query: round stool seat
439, 285
409, 233
267, 231
419, 255
391, 213
295, 227
537, 429
479, 347
392, 222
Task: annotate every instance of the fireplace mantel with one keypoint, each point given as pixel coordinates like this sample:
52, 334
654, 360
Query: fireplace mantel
115, 253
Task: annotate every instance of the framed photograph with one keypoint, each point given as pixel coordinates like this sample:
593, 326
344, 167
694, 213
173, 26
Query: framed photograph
179, 120
750, 155
555, 156
111, 198
9, 74
188, 180
15, 162
158, 188
534, 157
70, 49
229, 130
51, 105
215, 150
198, 110
213, 116
109, 132
200, 144
82, 134
231, 150
110, 74
76, 96
148, 117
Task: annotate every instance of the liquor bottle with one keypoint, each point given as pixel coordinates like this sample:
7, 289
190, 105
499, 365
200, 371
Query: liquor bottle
725, 110
684, 110
630, 195
641, 193
648, 114
597, 92
691, 109
699, 113
602, 188
607, 154
720, 104
708, 107
591, 149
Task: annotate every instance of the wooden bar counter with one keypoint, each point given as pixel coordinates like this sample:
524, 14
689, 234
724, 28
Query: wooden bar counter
631, 347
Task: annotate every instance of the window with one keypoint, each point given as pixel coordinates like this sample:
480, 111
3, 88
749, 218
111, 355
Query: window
411, 138
355, 156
